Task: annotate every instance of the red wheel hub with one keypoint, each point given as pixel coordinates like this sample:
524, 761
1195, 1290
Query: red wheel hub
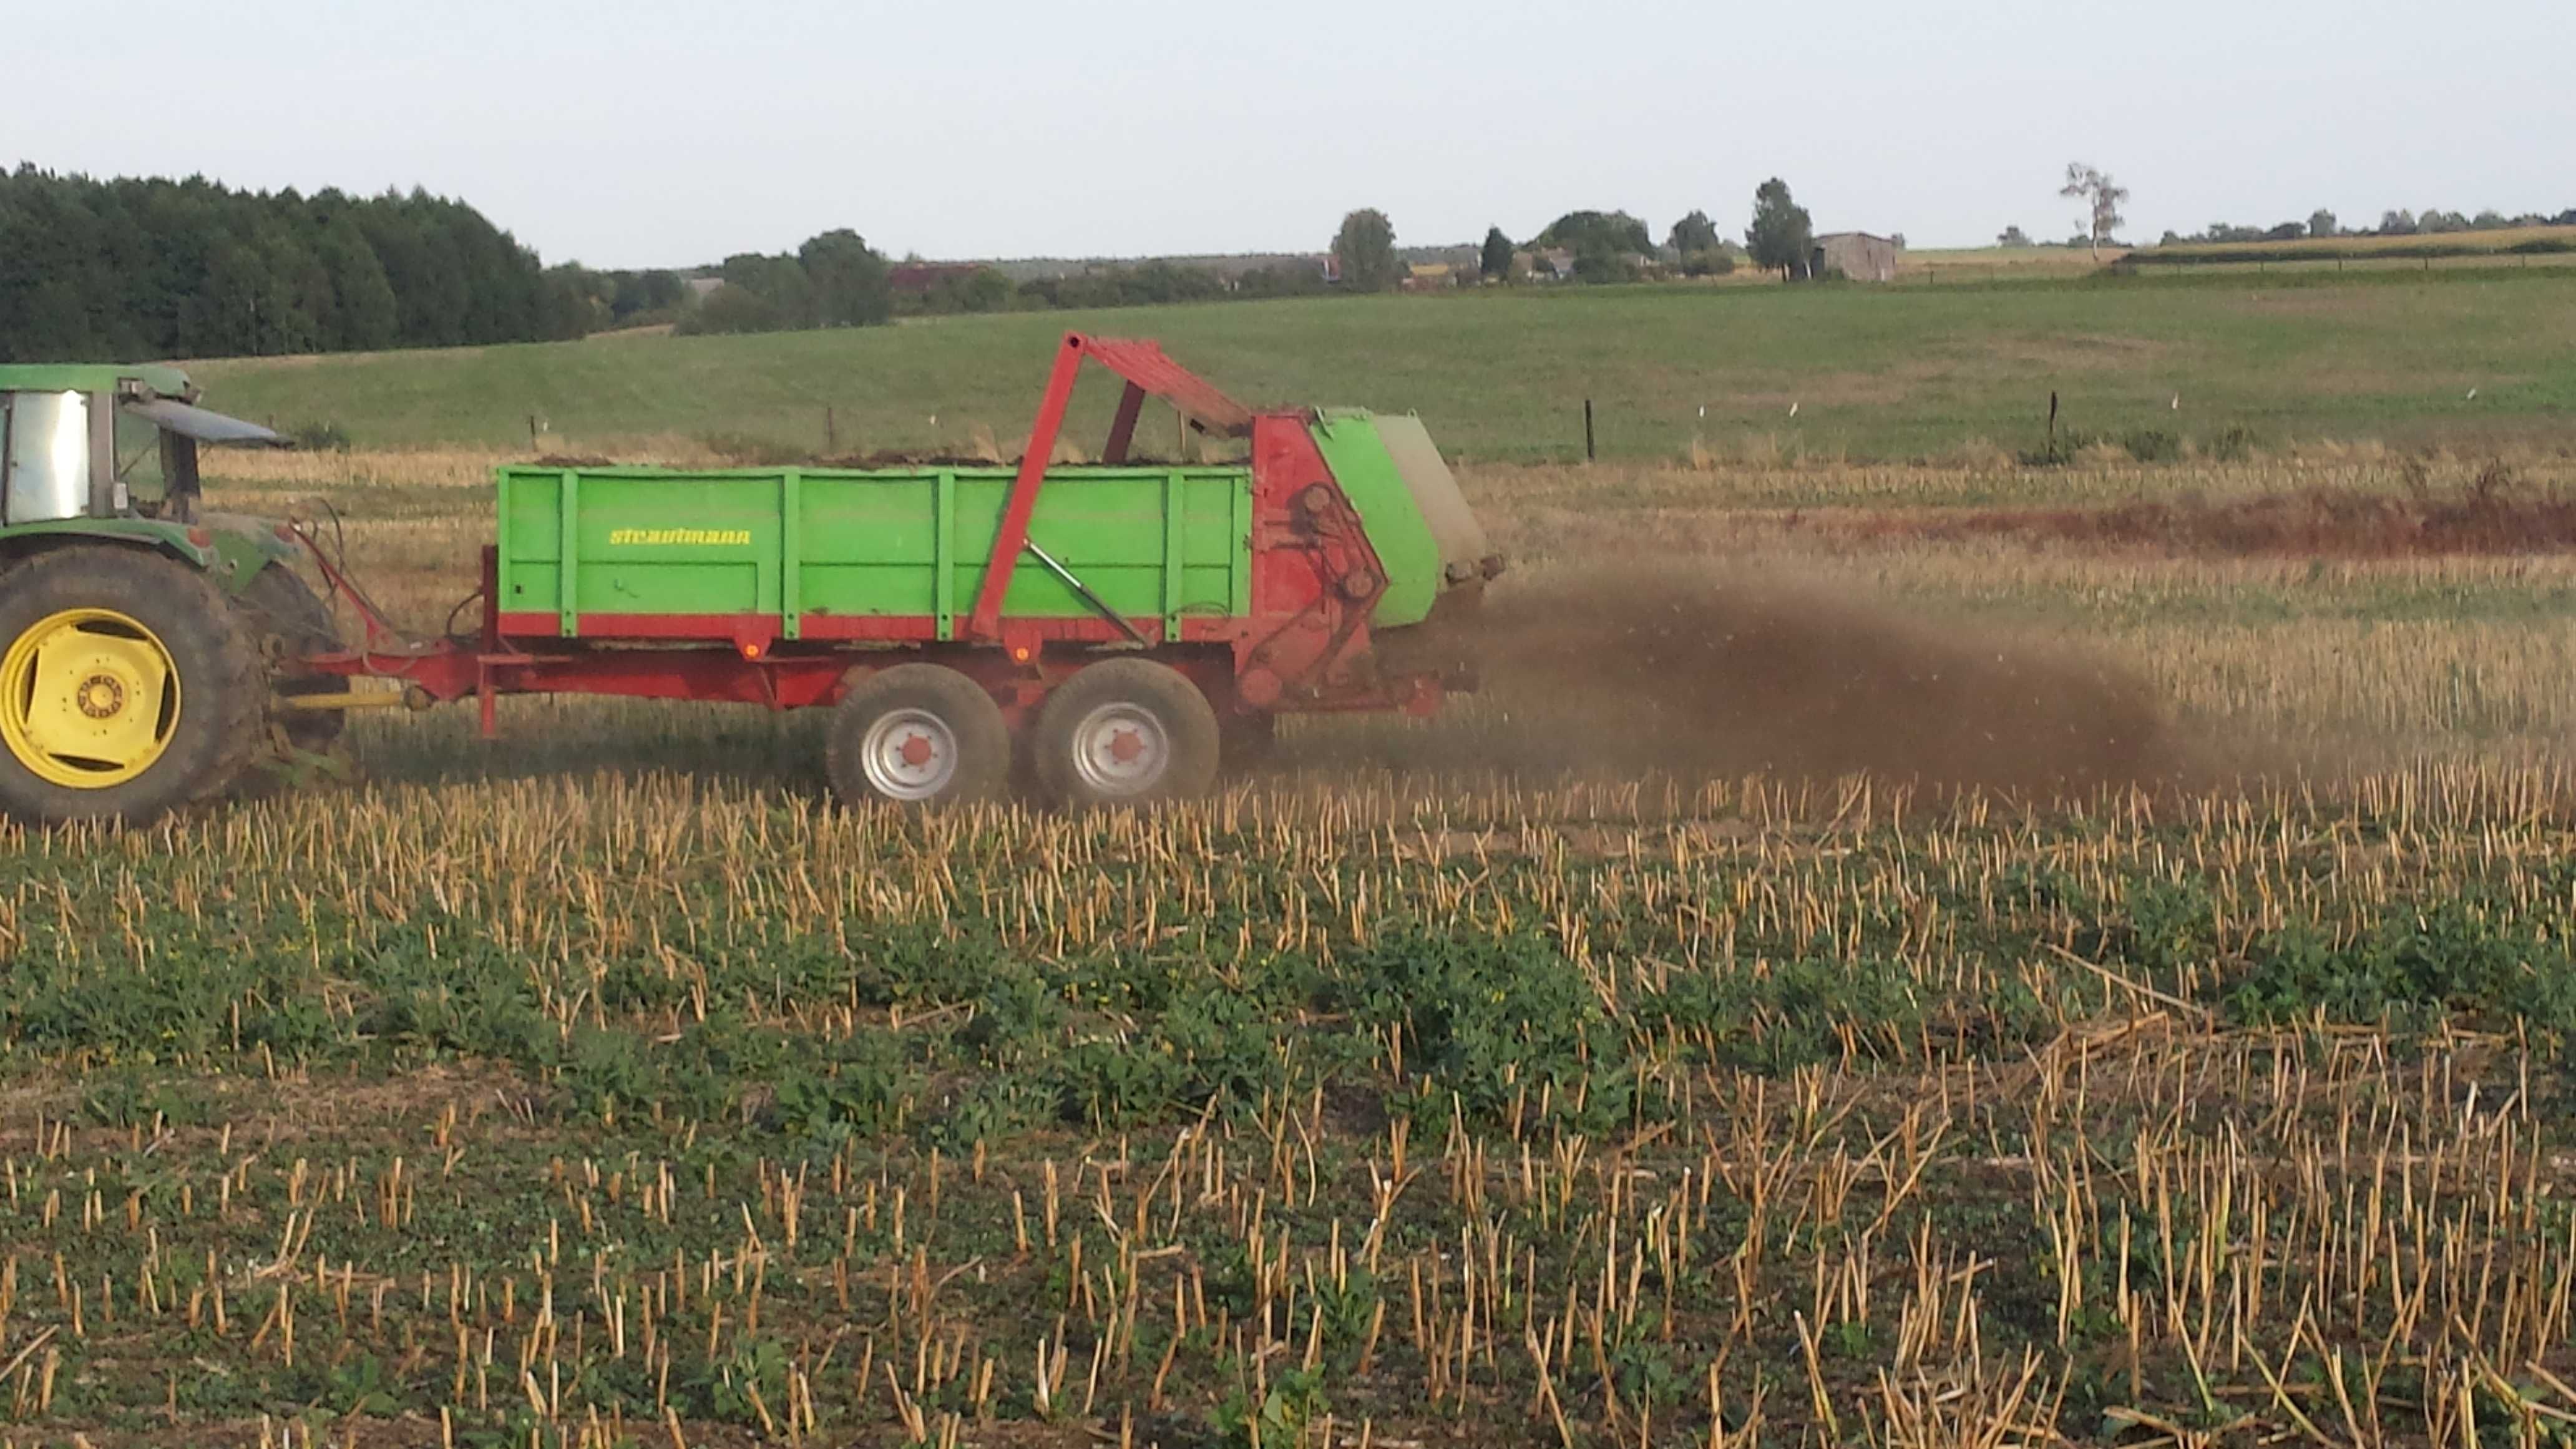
917, 752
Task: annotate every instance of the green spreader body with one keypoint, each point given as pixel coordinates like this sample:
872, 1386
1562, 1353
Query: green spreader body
769, 554
1306, 574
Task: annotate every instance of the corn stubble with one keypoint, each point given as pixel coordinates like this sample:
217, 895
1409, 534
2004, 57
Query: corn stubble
1426, 1090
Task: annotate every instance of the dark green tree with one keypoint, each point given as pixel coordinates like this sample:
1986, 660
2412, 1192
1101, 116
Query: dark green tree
1599, 264
1607, 245
847, 280
363, 307
134, 267
1608, 233
778, 281
1496, 260
733, 308
421, 263
1693, 233
572, 302
653, 291
1782, 235
1366, 247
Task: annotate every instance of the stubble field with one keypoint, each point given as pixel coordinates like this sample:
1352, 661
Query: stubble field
1902, 955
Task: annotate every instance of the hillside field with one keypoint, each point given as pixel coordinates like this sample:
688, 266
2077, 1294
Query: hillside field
1906, 372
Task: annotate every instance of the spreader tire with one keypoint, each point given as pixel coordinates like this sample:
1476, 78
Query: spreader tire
129, 687
292, 624
1125, 732
920, 735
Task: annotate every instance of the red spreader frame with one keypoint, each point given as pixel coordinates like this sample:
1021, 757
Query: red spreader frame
1302, 646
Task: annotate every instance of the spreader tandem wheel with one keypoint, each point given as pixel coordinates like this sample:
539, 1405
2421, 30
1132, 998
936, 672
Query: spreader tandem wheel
1125, 732
918, 734
128, 687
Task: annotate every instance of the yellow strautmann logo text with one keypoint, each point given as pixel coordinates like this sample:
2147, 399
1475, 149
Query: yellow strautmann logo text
668, 537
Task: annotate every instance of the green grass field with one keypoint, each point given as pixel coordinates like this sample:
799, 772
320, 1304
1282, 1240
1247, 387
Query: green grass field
1851, 371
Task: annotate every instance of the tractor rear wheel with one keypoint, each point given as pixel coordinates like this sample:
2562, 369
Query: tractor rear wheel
918, 734
1125, 732
128, 687
295, 624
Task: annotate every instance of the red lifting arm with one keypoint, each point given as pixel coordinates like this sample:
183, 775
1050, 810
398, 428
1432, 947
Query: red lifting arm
1148, 373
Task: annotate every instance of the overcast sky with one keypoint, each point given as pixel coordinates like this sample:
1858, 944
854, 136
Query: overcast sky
648, 132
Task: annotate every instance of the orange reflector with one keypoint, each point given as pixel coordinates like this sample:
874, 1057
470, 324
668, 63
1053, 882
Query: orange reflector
751, 651
200, 537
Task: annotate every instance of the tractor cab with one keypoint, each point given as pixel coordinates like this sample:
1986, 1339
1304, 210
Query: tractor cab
143, 645
98, 441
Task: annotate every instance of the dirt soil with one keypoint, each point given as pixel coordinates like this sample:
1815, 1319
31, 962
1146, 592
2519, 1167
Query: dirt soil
2487, 518
1660, 668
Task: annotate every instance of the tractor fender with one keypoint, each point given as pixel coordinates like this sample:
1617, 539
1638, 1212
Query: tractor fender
231, 559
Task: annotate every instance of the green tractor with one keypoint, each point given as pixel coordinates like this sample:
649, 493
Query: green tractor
145, 645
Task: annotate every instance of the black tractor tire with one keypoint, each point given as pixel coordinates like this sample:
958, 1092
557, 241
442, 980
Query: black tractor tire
919, 735
1122, 733
211, 731
292, 624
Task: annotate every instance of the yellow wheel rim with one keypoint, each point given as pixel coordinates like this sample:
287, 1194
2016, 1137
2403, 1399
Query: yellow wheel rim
88, 698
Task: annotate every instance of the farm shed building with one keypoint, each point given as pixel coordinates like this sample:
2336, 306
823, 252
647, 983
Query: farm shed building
1857, 255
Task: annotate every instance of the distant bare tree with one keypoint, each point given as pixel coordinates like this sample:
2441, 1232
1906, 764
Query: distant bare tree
2101, 197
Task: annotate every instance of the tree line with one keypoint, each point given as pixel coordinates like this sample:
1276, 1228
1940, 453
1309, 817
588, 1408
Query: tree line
144, 268
1601, 246
2323, 224
2102, 198
133, 268
835, 280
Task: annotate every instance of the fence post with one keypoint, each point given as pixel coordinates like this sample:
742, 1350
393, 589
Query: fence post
1588, 451
831, 433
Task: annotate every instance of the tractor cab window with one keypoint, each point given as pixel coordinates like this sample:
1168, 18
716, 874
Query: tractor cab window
47, 457
141, 460
170, 467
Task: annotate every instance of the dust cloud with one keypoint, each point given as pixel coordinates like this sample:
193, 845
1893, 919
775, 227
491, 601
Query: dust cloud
1666, 669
